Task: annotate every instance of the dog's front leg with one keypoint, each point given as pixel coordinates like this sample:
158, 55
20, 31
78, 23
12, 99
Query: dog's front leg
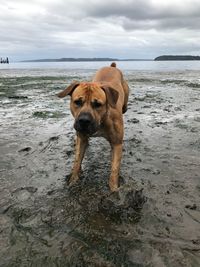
81, 145
115, 166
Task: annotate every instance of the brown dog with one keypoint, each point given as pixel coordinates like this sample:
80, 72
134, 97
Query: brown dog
97, 107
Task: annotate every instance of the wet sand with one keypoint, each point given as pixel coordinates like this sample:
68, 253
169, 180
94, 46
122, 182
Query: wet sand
155, 218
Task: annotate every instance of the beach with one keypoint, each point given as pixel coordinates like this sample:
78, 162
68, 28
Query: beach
154, 221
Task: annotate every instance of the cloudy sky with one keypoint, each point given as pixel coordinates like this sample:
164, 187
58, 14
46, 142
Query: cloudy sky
32, 29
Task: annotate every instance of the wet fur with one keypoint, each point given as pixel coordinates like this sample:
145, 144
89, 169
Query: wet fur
108, 88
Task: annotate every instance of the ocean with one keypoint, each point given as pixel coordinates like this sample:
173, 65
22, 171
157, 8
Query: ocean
60, 68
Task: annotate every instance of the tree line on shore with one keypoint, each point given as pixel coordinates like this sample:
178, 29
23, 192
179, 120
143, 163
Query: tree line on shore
177, 57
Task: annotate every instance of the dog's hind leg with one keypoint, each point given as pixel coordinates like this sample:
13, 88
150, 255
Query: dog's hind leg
126, 94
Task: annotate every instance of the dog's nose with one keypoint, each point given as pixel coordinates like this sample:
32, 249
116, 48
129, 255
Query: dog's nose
85, 119
85, 123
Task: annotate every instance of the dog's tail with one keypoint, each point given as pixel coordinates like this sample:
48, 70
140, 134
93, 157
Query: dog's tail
114, 65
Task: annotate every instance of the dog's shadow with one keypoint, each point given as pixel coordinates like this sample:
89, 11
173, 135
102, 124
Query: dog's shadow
96, 165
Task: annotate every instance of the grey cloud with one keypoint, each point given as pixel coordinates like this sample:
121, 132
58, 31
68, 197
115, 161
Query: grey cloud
144, 9
144, 14
167, 24
131, 14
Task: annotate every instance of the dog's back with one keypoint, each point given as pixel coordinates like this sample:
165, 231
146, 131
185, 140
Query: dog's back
108, 74
114, 77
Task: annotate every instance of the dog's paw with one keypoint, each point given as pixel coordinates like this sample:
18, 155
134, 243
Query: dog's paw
113, 187
73, 179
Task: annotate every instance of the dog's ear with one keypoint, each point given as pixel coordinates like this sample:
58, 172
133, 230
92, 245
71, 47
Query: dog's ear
111, 95
69, 90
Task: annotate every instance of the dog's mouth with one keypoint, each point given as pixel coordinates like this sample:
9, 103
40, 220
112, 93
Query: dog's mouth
85, 124
89, 130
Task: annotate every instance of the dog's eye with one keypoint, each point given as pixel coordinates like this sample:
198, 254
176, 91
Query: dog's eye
96, 104
78, 102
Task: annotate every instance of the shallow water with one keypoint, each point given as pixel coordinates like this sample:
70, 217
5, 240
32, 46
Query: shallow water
154, 221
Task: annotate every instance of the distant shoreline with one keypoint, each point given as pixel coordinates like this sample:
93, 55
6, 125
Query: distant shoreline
83, 60
159, 58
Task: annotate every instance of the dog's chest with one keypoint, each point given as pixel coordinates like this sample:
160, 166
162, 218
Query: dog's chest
99, 133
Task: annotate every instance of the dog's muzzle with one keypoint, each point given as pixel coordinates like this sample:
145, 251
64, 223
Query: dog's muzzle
85, 124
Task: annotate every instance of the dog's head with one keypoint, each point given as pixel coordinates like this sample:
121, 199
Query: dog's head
89, 104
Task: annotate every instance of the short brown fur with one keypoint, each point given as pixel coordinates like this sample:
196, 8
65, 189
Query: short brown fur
109, 89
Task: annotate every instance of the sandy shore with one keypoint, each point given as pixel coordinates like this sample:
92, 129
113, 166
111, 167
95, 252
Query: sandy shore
155, 219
